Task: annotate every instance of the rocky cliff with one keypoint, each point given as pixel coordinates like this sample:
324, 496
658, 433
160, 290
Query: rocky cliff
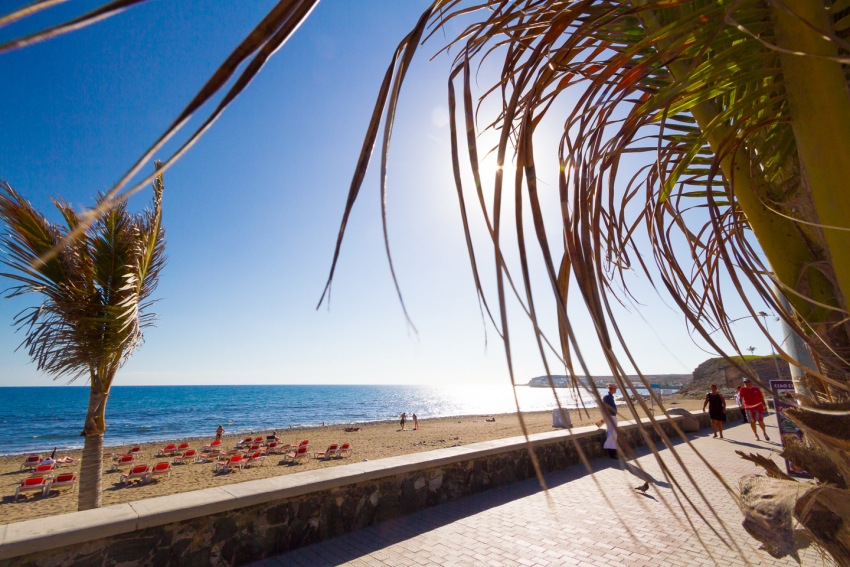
727, 377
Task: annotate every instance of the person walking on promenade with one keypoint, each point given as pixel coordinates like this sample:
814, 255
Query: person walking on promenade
402, 420
219, 432
716, 410
754, 406
740, 403
415, 422
609, 414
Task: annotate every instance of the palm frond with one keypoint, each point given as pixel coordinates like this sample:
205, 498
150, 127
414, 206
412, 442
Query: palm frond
95, 290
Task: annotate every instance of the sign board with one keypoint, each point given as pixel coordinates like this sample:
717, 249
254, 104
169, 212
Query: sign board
781, 401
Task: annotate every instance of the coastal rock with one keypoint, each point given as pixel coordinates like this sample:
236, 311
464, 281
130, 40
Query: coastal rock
727, 377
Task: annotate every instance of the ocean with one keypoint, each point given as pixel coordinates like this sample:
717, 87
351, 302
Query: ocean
38, 419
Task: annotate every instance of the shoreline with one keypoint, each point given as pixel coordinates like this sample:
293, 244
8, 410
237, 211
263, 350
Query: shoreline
231, 436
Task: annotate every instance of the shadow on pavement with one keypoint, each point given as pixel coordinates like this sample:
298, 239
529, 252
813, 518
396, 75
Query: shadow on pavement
354, 545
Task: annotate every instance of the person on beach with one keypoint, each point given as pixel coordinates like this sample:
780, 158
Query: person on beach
754, 406
609, 414
716, 409
415, 422
740, 403
219, 432
272, 437
402, 420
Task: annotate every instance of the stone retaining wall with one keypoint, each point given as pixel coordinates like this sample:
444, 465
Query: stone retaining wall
239, 523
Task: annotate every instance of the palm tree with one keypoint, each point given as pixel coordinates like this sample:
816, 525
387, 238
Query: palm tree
737, 114
95, 300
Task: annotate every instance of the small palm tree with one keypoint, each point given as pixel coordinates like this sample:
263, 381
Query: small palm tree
95, 297
752, 350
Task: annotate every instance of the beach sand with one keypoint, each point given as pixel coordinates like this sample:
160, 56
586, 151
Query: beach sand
373, 441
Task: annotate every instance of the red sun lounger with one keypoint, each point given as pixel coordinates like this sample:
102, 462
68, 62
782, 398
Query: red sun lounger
327, 453
125, 460
189, 455
63, 482
255, 458
236, 461
139, 472
298, 454
31, 462
32, 484
44, 470
169, 450
344, 450
160, 470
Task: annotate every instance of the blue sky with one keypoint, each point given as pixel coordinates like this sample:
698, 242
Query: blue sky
252, 210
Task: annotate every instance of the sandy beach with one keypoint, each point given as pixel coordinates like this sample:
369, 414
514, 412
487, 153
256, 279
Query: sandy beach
373, 441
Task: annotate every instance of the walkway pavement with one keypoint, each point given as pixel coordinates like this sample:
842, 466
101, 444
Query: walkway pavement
597, 520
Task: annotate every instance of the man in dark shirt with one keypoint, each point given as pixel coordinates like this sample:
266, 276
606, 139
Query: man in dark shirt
609, 414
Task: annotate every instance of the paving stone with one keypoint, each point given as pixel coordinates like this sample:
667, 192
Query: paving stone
597, 521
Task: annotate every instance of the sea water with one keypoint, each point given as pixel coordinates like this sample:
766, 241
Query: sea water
39, 419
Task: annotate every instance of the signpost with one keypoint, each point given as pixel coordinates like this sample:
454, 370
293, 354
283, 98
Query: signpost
781, 398
651, 397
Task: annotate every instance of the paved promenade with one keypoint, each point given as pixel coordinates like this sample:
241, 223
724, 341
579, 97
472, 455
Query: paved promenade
597, 520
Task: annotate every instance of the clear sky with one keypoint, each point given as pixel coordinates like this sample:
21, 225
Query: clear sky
252, 211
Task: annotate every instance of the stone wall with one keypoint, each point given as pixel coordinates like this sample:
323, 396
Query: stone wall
246, 533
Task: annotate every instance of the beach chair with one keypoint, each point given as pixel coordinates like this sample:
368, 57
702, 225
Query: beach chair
206, 457
167, 451
245, 442
214, 446
160, 470
44, 470
125, 460
253, 448
133, 452
141, 473
182, 447
272, 448
32, 484
31, 462
62, 482
299, 454
235, 461
281, 449
344, 450
258, 440
327, 453
305, 443
190, 455
254, 458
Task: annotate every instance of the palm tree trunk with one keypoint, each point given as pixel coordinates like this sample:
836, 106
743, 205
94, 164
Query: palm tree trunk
820, 115
91, 467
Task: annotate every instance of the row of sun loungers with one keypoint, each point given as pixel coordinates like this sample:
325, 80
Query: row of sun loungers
33, 461
147, 473
45, 484
249, 452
